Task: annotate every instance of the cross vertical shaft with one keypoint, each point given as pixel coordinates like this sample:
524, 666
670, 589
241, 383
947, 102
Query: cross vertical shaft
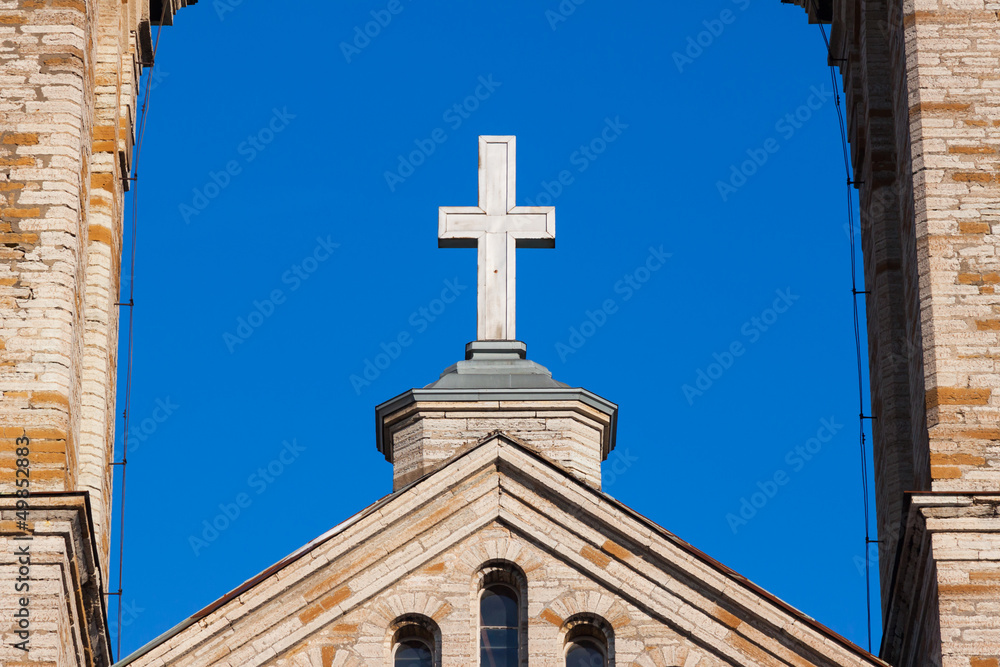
497, 227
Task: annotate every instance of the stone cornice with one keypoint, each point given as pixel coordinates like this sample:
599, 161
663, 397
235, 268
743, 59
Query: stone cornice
536, 397
67, 517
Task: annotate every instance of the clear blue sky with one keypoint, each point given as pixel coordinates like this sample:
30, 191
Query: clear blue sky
272, 167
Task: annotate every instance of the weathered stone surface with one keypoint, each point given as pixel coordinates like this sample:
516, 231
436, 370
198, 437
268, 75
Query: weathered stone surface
425, 435
69, 71
423, 552
924, 125
63, 585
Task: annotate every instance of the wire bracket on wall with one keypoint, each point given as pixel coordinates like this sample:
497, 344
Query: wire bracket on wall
850, 183
130, 304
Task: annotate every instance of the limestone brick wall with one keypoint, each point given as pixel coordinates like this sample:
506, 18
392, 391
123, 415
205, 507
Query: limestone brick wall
445, 591
952, 71
68, 82
965, 540
867, 69
422, 551
424, 436
63, 595
950, 64
45, 144
924, 121
116, 66
69, 77
947, 585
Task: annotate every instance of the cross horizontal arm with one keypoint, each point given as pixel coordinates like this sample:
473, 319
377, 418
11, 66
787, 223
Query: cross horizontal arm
496, 228
534, 224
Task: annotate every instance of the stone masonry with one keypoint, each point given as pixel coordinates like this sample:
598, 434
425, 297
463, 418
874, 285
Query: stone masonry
424, 435
920, 84
575, 553
920, 90
63, 586
495, 389
69, 72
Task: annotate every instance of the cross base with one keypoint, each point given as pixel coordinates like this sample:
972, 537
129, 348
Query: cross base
495, 350
496, 364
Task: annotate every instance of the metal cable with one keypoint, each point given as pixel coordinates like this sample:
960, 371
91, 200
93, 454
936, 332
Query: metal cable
131, 306
855, 293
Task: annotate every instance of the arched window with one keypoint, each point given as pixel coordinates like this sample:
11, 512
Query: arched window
413, 646
585, 652
413, 653
588, 641
499, 624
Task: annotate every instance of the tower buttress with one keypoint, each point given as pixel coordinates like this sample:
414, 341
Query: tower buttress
925, 136
66, 141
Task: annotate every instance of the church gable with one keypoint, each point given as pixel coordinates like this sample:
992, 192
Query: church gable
443, 596
419, 559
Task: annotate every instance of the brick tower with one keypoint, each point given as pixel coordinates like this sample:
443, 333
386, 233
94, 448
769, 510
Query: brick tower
920, 79
70, 73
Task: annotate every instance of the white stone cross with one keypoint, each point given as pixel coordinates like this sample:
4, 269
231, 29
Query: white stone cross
496, 227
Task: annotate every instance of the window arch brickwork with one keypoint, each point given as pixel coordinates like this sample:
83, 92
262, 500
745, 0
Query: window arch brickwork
406, 634
585, 635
